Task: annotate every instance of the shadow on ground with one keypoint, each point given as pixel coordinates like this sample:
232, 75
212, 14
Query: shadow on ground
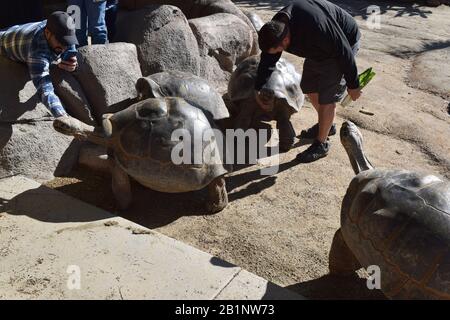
337, 288
427, 47
354, 7
154, 209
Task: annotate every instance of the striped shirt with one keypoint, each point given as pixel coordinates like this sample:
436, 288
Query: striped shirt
27, 43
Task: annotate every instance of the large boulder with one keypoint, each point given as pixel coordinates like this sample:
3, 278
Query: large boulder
203, 8
255, 19
28, 143
163, 39
71, 95
108, 74
224, 41
193, 9
184, 5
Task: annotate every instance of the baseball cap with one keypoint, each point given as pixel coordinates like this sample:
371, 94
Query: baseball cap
62, 25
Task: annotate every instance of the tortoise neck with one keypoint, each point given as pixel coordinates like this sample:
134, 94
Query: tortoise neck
359, 160
97, 137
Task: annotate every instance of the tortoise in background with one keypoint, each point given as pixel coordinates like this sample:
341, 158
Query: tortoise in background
395, 219
282, 92
195, 90
141, 141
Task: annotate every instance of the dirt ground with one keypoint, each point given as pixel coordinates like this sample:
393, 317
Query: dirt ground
280, 227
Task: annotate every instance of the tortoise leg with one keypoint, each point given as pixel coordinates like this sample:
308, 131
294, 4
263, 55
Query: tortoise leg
218, 196
342, 261
121, 187
96, 158
286, 134
244, 116
72, 127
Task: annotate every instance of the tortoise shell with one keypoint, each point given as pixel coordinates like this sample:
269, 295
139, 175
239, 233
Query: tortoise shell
143, 145
284, 82
193, 89
400, 221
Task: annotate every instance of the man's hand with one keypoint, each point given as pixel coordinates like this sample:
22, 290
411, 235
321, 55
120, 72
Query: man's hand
69, 65
354, 93
264, 100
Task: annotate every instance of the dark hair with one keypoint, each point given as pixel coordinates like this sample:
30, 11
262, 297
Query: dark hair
272, 34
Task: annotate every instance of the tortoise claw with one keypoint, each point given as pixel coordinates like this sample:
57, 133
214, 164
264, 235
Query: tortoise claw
218, 196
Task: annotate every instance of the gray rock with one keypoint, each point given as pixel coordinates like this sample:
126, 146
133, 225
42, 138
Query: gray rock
163, 38
28, 143
255, 20
203, 8
18, 97
71, 94
108, 74
193, 9
224, 41
184, 5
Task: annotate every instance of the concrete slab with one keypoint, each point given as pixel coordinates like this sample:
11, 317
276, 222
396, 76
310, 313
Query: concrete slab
55, 247
247, 286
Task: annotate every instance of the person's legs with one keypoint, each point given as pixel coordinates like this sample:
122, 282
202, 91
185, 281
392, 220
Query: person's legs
111, 17
331, 88
314, 99
313, 132
81, 32
310, 85
325, 105
96, 21
310, 81
330, 92
327, 113
32, 11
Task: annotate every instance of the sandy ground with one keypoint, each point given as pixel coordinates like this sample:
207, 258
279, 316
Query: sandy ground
281, 227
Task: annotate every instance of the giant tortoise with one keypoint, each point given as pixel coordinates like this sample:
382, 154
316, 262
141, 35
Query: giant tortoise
397, 220
142, 145
184, 85
282, 92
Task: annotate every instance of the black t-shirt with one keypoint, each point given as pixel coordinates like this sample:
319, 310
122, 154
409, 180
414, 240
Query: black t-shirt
319, 30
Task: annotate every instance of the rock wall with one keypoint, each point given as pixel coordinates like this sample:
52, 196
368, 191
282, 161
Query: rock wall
28, 143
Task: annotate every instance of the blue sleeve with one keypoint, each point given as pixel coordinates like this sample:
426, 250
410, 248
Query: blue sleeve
40, 75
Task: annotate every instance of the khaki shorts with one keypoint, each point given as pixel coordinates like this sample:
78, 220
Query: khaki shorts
326, 78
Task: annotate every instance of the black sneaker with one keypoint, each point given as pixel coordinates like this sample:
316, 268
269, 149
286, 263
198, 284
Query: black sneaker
312, 132
315, 151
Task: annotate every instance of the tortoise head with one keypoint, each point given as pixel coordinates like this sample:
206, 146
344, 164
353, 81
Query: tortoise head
284, 83
145, 130
267, 96
148, 88
140, 129
352, 140
282, 89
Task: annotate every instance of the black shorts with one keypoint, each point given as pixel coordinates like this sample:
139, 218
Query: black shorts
326, 78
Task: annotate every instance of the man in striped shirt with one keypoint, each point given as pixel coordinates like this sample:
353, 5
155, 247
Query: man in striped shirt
38, 45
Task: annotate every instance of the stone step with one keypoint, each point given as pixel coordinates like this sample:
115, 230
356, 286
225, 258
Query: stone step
53, 246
